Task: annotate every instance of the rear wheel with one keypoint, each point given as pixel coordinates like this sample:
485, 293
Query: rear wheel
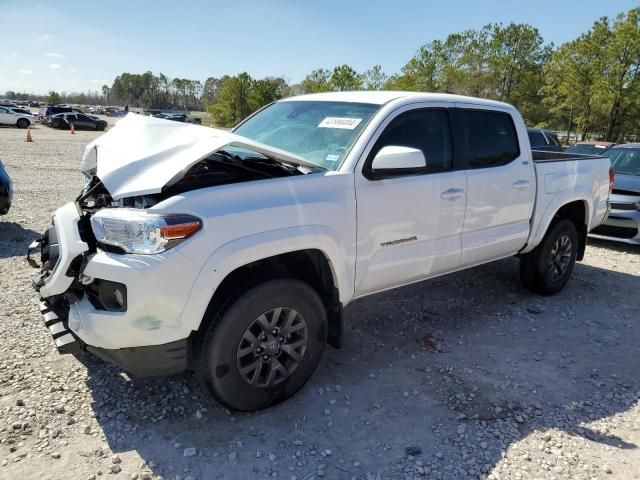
547, 268
264, 347
23, 123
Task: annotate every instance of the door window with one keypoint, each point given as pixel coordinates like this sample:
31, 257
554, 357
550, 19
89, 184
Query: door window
490, 138
427, 130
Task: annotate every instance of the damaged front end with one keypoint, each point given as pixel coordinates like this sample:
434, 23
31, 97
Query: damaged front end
107, 261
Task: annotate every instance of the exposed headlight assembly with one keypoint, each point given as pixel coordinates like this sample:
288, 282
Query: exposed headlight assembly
137, 231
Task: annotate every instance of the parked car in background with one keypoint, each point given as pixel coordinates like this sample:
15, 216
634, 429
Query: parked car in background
589, 148
46, 112
6, 190
257, 229
623, 222
21, 120
21, 110
541, 139
80, 121
114, 112
97, 110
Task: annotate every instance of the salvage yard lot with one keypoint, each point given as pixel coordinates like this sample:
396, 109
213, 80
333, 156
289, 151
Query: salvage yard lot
463, 376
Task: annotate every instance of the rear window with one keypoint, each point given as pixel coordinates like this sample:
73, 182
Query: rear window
536, 139
490, 138
625, 161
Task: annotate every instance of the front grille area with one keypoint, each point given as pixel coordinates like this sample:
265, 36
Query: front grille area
617, 232
622, 206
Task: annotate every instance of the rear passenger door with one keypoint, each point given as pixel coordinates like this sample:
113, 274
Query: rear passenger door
500, 185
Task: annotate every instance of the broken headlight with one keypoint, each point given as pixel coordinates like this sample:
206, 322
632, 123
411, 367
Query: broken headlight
137, 231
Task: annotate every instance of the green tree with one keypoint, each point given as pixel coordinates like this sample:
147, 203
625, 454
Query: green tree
317, 81
233, 100
621, 73
374, 78
344, 78
53, 98
266, 91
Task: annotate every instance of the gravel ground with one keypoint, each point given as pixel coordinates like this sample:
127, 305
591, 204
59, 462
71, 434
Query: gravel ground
465, 376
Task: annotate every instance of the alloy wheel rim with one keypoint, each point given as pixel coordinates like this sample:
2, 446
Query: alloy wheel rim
560, 257
272, 347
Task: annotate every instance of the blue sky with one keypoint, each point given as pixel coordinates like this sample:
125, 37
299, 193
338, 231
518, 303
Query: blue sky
77, 46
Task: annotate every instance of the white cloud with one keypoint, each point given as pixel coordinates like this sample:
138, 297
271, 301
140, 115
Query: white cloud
53, 54
13, 54
73, 70
42, 36
25, 72
54, 66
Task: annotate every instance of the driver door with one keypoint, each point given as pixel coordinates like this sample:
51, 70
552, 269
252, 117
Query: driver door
410, 226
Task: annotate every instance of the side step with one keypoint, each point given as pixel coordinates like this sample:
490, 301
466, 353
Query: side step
55, 319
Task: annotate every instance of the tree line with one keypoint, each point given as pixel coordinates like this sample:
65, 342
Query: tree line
589, 85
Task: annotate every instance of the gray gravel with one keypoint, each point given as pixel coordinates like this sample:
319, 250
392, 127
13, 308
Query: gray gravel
465, 376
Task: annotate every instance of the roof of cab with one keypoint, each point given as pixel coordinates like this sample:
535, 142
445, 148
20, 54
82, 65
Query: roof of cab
384, 96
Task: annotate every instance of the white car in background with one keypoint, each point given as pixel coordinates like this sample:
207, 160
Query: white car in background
8, 116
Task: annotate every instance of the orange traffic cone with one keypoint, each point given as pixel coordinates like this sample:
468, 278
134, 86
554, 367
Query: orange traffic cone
28, 139
73, 131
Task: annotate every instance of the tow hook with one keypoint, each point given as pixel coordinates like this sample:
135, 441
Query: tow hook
33, 247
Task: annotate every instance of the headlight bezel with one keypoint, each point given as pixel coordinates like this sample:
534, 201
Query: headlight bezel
137, 231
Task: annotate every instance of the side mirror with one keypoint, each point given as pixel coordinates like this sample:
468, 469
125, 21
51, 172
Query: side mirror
393, 161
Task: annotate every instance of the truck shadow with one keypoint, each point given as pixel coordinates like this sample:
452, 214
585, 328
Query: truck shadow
453, 371
14, 239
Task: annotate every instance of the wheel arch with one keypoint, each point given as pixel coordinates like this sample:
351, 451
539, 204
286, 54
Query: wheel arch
311, 254
311, 266
577, 211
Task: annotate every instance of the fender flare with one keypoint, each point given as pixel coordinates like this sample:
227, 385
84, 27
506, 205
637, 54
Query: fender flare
559, 200
252, 248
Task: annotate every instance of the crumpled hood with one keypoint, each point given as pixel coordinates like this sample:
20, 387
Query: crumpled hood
141, 154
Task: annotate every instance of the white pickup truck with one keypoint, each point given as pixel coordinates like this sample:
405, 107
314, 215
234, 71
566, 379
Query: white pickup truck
233, 253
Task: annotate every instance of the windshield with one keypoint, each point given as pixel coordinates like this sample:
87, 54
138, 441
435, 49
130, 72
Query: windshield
319, 132
587, 149
625, 161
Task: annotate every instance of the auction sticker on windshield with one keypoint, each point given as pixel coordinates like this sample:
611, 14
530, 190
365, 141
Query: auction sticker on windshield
340, 122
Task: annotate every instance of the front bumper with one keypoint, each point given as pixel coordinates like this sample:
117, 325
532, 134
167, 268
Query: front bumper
146, 361
148, 337
620, 226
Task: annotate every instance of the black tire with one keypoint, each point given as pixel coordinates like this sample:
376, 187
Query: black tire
23, 123
547, 268
220, 357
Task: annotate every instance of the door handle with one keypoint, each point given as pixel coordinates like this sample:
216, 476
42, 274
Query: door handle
452, 194
521, 184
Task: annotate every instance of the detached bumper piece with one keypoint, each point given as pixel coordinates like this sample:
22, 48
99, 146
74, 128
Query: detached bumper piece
55, 318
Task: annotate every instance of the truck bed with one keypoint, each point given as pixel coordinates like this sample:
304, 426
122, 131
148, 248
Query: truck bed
540, 156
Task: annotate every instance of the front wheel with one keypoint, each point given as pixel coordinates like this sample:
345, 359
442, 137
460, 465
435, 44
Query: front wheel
23, 123
547, 268
265, 346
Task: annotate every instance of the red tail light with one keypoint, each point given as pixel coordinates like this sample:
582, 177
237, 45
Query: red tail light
612, 179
